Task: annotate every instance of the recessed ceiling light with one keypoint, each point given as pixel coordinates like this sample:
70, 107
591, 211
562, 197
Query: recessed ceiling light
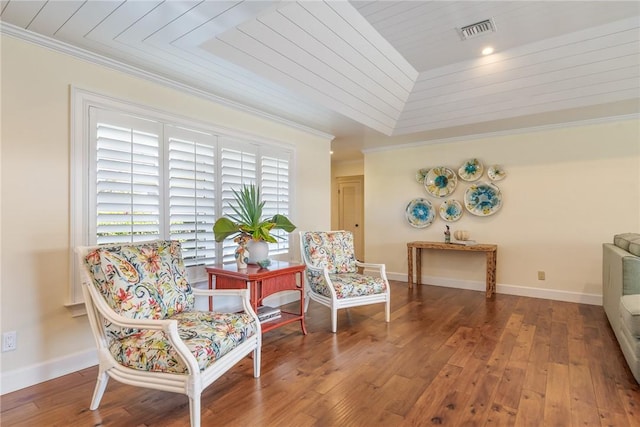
487, 50
331, 152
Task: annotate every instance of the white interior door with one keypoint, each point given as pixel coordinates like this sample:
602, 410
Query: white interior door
351, 210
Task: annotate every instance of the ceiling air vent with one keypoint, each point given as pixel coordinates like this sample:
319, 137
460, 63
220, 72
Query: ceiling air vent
477, 29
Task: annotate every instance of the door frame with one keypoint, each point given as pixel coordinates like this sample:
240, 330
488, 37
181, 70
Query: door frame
359, 181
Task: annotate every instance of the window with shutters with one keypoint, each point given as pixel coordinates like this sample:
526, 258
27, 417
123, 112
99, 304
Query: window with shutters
142, 175
191, 199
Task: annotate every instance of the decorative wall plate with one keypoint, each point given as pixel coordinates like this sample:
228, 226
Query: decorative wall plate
483, 199
420, 213
451, 210
471, 170
440, 181
496, 173
421, 175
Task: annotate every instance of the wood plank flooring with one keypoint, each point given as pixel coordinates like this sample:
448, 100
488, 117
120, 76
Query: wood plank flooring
448, 358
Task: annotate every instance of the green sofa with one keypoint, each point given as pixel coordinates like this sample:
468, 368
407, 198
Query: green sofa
621, 294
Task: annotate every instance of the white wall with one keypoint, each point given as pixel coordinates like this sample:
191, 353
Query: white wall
567, 191
35, 195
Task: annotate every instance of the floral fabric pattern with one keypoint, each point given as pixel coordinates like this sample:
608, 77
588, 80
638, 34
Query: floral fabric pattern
335, 251
149, 280
141, 281
347, 284
208, 335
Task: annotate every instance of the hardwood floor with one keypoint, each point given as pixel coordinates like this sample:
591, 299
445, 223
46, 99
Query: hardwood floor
448, 357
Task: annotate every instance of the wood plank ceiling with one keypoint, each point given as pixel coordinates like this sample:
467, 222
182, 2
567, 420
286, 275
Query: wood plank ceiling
365, 67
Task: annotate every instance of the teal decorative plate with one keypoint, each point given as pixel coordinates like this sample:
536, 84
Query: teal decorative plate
451, 210
440, 182
420, 213
483, 199
471, 170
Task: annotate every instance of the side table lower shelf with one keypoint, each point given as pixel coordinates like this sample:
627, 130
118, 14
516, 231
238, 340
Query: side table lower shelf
285, 318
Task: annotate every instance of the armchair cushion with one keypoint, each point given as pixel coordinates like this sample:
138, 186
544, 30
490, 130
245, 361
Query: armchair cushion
331, 250
208, 335
357, 285
141, 281
346, 284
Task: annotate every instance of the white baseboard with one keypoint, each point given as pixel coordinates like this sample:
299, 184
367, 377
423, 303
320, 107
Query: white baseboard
40, 372
551, 294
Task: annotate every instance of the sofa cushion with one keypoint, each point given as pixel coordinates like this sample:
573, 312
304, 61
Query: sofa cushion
630, 313
634, 246
623, 240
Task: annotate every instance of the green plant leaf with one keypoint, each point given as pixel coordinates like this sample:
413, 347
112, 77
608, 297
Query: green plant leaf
224, 228
282, 222
248, 218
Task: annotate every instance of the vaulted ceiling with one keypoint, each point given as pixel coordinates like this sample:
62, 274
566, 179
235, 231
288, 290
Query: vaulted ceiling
373, 73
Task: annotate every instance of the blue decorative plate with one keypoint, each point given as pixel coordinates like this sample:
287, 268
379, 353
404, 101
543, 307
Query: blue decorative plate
451, 210
471, 170
483, 199
420, 213
440, 181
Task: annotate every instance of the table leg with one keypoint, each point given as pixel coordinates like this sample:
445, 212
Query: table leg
304, 328
210, 287
418, 266
491, 272
410, 266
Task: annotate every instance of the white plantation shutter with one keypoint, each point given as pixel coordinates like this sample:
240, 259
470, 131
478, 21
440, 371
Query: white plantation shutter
275, 193
238, 166
140, 175
127, 179
192, 193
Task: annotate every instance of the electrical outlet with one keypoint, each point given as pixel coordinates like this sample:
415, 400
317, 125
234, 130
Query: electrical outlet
541, 275
9, 341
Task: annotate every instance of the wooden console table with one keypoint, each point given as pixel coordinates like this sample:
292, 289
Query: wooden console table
262, 282
490, 250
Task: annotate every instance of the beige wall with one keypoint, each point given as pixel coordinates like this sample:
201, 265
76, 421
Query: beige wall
35, 189
567, 191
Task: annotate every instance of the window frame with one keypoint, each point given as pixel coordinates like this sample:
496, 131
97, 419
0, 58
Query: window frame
81, 171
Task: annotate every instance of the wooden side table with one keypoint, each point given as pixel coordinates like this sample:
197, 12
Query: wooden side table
491, 252
262, 282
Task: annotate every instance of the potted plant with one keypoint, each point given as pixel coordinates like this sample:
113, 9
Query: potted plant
248, 221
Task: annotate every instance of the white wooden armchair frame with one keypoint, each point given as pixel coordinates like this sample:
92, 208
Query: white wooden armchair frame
191, 384
334, 303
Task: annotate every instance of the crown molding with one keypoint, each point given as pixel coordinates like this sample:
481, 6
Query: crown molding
496, 134
83, 54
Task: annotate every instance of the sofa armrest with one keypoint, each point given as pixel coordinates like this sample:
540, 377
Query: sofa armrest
612, 281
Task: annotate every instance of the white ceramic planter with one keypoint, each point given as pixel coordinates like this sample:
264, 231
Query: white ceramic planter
258, 250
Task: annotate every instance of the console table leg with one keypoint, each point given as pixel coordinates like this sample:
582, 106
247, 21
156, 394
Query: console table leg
491, 273
410, 265
418, 266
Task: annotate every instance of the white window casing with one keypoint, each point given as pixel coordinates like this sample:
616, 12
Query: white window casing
141, 174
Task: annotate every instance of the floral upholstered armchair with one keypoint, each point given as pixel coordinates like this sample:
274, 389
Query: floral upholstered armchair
332, 277
148, 332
